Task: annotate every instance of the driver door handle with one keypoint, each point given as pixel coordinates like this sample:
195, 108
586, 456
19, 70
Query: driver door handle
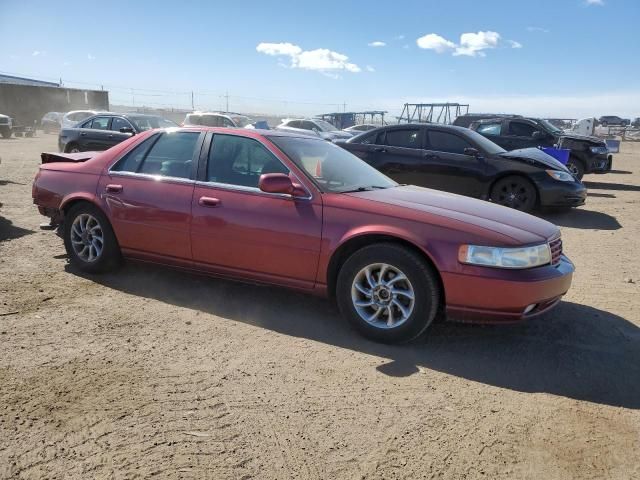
209, 202
112, 188
380, 149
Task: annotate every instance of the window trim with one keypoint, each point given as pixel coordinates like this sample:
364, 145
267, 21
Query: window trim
201, 178
195, 160
108, 129
519, 120
121, 118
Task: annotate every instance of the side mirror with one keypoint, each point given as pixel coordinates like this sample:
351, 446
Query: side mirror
472, 152
127, 130
280, 183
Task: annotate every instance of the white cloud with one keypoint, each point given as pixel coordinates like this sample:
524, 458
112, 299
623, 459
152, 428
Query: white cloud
537, 29
471, 44
370, 68
90, 57
435, 42
36, 53
279, 49
594, 2
399, 37
515, 44
377, 43
322, 60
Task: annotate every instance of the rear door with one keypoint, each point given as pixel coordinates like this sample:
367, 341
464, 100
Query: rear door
94, 134
148, 193
398, 154
447, 166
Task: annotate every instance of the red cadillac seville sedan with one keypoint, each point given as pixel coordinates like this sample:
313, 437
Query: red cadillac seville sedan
300, 212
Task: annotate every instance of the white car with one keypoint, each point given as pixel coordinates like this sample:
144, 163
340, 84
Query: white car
314, 127
6, 125
218, 119
356, 129
72, 118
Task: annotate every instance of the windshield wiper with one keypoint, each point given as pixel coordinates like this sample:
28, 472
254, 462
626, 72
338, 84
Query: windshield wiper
363, 189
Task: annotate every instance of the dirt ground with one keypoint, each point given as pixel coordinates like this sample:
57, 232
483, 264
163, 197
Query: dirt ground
152, 372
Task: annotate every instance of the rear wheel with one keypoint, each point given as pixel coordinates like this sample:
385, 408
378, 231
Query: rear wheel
72, 148
89, 239
575, 167
515, 192
388, 293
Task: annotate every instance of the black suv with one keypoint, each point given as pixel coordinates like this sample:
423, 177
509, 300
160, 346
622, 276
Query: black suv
105, 130
458, 160
613, 120
588, 154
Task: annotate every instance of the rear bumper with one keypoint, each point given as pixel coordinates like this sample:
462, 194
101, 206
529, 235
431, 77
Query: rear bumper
502, 296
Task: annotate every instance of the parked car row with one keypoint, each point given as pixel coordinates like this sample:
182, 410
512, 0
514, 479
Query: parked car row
291, 209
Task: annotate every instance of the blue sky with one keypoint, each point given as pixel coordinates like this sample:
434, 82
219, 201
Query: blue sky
571, 57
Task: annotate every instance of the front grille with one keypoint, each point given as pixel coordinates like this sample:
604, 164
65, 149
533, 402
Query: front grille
556, 250
4, 121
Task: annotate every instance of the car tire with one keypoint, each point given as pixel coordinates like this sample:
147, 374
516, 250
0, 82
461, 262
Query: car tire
72, 148
391, 311
6, 133
575, 167
515, 192
89, 239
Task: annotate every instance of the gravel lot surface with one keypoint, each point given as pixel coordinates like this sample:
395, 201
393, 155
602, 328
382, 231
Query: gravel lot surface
153, 372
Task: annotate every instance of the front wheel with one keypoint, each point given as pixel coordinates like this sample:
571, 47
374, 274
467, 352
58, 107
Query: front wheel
575, 167
73, 148
515, 192
388, 293
89, 239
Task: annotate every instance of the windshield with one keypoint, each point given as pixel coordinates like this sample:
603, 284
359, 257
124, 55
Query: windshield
149, 123
325, 126
332, 168
484, 143
550, 126
241, 121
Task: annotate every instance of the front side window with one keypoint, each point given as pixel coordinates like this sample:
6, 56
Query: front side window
236, 160
169, 155
521, 129
447, 142
226, 122
405, 138
118, 122
494, 128
331, 167
100, 123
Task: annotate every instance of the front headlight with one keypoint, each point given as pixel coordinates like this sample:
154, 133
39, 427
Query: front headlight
599, 150
498, 257
560, 175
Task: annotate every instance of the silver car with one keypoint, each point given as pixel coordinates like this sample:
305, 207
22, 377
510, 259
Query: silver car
313, 127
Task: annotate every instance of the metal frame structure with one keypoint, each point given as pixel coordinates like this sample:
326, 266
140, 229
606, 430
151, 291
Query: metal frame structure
347, 119
444, 113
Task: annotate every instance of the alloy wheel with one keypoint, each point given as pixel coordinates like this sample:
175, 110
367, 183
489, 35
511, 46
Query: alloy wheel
87, 237
513, 194
382, 295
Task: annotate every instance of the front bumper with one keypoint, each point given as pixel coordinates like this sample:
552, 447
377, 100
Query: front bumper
600, 163
491, 295
560, 194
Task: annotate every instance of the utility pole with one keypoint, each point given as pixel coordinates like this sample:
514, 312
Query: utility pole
344, 107
226, 96
192, 107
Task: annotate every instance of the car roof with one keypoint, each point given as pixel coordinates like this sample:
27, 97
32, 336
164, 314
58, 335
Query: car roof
244, 132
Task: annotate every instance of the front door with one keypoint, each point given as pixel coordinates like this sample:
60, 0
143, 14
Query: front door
95, 134
237, 228
398, 154
148, 195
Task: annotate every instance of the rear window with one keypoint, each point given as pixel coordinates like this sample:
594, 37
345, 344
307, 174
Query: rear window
406, 138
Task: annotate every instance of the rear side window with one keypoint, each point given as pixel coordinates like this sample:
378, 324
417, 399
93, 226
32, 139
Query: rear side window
169, 155
447, 142
521, 129
406, 138
490, 128
236, 160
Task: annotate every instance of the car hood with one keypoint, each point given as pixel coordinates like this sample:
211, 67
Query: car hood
535, 156
582, 138
521, 227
